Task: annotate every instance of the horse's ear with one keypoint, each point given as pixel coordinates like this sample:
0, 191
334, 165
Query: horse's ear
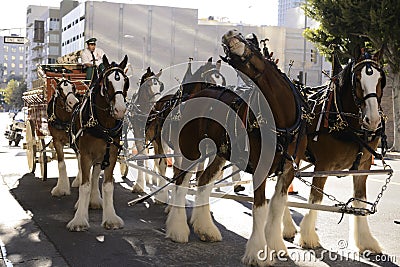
148, 70
218, 65
105, 61
159, 73
336, 66
209, 60
123, 63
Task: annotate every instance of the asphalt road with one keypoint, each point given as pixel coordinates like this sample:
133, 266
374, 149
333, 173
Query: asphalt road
33, 232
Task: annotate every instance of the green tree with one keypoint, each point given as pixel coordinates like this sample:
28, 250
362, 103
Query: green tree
345, 24
13, 93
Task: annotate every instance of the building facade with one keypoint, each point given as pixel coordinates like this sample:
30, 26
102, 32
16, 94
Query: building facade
46, 50
160, 37
12, 61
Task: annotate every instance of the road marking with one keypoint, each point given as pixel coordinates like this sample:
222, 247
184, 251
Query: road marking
381, 181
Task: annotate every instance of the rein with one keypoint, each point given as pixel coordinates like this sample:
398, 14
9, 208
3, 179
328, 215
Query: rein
53, 120
285, 136
89, 120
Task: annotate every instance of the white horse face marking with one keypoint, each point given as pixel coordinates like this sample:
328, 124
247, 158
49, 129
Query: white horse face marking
68, 91
155, 86
217, 79
119, 101
369, 84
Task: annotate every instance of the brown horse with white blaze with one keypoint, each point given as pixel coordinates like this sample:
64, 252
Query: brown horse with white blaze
59, 113
351, 128
276, 89
96, 131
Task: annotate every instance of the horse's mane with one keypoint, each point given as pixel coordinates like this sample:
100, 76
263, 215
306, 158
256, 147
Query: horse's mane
344, 76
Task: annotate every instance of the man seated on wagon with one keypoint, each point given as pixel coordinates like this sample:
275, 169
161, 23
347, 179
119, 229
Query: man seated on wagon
92, 59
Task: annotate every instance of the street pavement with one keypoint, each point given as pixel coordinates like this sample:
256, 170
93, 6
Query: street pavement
33, 224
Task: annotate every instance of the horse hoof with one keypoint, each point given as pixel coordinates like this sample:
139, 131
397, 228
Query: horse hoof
113, 224
309, 244
58, 192
75, 226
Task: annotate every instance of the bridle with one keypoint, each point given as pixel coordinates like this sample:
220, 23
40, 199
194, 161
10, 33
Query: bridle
370, 65
246, 58
207, 76
151, 79
104, 82
61, 92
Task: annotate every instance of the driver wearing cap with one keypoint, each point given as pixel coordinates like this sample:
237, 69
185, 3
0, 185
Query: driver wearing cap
92, 58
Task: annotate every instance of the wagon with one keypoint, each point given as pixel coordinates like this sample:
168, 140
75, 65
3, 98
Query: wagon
38, 150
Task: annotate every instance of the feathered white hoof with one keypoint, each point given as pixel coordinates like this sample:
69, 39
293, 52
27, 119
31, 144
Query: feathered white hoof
59, 191
370, 244
177, 227
178, 234
112, 223
309, 239
78, 224
208, 233
256, 255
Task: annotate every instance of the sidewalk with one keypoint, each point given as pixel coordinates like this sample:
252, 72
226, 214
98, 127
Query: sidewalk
21, 240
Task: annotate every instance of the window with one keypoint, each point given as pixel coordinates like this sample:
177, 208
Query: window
13, 65
21, 66
21, 49
12, 57
5, 57
5, 64
54, 38
13, 49
21, 58
6, 49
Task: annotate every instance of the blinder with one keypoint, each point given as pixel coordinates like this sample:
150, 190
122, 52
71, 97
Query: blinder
61, 92
368, 63
118, 72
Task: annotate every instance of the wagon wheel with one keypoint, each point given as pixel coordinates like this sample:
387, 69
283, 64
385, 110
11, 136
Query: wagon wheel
31, 145
42, 159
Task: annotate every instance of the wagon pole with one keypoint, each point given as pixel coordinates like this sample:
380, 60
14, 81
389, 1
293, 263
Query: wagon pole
191, 166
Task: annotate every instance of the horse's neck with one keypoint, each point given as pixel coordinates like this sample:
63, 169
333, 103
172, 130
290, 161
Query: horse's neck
345, 96
59, 110
102, 111
276, 89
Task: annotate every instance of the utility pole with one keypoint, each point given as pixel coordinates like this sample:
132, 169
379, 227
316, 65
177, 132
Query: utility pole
304, 50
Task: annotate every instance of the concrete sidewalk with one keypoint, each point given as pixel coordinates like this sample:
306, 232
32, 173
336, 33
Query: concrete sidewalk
21, 240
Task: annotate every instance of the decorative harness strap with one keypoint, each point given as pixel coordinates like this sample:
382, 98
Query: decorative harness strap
93, 126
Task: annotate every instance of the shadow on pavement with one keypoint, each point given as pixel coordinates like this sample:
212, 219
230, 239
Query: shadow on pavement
140, 243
